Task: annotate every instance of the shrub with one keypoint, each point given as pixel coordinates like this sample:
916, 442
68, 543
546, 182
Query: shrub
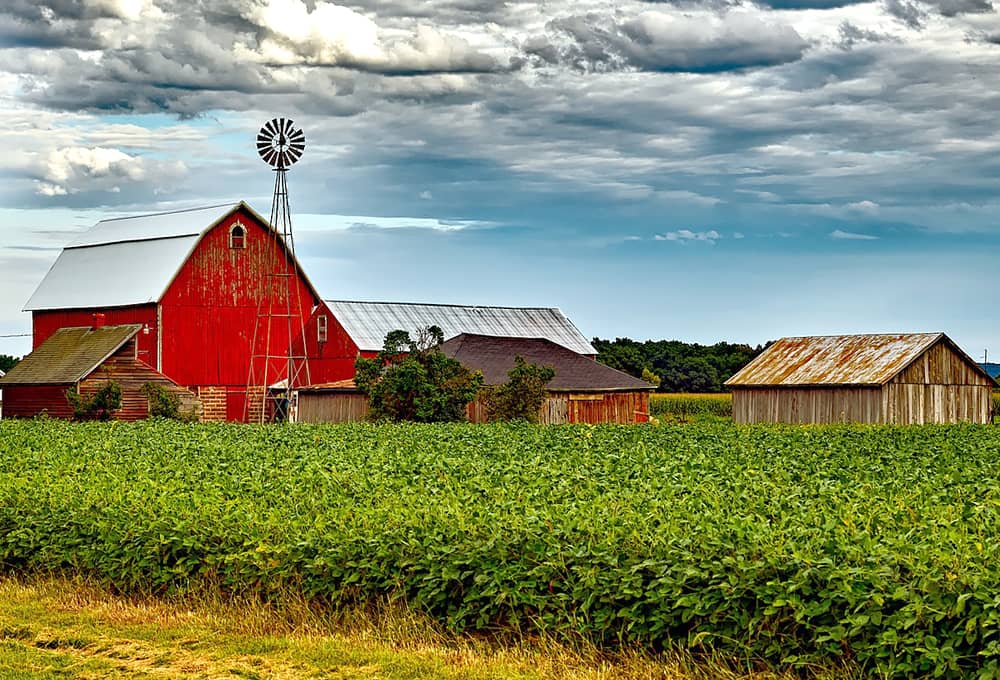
522, 395
99, 406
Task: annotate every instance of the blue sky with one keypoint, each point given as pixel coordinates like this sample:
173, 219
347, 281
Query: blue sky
713, 170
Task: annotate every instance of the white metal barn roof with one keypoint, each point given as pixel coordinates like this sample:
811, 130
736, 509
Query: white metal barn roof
369, 322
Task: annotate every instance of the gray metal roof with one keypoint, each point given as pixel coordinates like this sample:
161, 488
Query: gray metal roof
125, 261
838, 359
367, 323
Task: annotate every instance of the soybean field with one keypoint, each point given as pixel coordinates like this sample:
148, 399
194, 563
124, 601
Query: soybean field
872, 547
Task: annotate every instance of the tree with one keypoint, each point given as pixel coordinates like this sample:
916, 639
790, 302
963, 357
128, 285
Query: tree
522, 395
414, 380
7, 362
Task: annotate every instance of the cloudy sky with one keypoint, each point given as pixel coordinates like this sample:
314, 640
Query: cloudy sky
711, 170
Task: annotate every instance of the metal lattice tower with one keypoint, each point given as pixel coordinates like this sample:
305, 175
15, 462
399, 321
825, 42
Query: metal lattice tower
275, 358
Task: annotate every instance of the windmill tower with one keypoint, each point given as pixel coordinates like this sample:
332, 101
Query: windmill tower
277, 354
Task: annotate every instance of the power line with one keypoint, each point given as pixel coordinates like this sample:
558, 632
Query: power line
17, 335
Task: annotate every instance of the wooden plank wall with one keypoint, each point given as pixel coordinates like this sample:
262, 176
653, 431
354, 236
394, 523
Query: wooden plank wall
909, 404
807, 405
131, 375
941, 365
28, 401
560, 407
332, 407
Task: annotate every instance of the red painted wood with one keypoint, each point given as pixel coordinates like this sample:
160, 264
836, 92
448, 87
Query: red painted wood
45, 323
210, 310
331, 360
28, 402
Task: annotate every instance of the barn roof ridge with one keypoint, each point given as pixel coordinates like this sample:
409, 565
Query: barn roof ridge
439, 304
848, 360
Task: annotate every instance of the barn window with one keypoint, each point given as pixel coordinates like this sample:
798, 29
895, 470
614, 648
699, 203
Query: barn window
238, 236
321, 328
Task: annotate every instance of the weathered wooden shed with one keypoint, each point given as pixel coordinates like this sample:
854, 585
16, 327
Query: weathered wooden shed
890, 378
582, 391
83, 359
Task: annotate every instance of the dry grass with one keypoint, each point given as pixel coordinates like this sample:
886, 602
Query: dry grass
57, 628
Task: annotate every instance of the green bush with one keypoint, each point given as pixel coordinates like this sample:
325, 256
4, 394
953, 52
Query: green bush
873, 547
522, 395
99, 406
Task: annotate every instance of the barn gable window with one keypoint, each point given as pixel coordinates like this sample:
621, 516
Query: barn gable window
238, 236
321, 328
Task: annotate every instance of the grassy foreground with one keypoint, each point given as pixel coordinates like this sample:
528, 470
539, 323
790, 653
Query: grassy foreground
58, 628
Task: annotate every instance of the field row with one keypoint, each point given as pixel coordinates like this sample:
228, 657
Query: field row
872, 546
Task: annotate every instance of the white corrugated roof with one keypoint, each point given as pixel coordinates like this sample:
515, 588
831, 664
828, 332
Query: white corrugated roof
369, 322
147, 227
125, 261
112, 275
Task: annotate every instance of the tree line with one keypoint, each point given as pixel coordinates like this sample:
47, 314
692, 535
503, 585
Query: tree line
680, 366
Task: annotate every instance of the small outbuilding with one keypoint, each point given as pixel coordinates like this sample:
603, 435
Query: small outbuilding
83, 359
890, 378
582, 391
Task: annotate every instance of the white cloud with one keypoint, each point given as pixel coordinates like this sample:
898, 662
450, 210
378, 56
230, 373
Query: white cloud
336, 35
852, 236
683, 235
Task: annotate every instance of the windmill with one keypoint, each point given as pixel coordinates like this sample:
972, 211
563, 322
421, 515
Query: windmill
277, 366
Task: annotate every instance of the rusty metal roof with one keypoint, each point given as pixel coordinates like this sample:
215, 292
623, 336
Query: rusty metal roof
69, 355
369, 322
836, 359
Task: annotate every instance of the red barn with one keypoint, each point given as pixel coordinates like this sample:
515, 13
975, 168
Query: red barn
194, 281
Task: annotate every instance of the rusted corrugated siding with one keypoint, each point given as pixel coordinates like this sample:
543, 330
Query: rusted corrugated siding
834, 359
807, 405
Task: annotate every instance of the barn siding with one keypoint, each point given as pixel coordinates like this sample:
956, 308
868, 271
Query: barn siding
558, 408
131, 375
28, 401
941, 365
210, 309
46, 322
807, 405
911, 403
332, 360
335, 407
